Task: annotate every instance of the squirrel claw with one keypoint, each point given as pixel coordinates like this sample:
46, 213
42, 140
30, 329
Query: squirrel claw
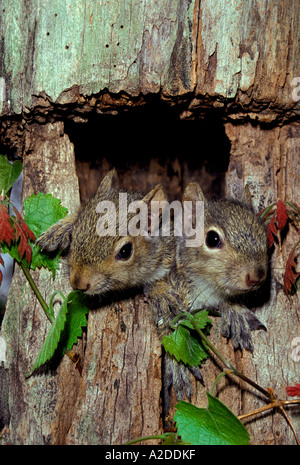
177, 375
237, 324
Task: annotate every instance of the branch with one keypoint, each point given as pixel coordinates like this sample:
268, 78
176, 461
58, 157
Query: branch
279, 404
268, 393
37, 292
232, 369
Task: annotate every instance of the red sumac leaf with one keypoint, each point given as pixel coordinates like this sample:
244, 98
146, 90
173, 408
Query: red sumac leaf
7, 232
293, 390
290, 275
24, 226
281, 213
24, 247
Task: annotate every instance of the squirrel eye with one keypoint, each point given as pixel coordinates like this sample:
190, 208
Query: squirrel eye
125, 252
213, 240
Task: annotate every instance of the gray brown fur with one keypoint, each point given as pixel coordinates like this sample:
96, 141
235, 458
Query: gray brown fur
213, 279
94, 267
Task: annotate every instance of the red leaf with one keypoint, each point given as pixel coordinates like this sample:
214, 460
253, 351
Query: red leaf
7, 232
24, 247
282, 216
290, 275
24, 226
23, 233
271, 230
293, 390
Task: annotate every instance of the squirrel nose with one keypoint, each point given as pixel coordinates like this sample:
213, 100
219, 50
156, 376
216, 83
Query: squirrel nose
82, 288
255, 277
79, 283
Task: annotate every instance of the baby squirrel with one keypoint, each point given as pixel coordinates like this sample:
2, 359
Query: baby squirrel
111, 263
231, 262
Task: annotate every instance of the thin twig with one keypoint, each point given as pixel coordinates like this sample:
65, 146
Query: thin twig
268, 393
234, 370
275, 404
37, 292
290, 423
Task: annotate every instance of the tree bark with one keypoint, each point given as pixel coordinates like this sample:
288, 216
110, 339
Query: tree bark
231, 65
269, 161
118, 396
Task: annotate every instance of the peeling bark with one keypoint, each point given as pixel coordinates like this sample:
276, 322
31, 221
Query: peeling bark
232, 64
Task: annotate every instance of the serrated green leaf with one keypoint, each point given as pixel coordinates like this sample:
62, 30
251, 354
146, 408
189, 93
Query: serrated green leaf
42, 211
200, 318
215, 425
66, 329
12, 250
185, 347
40, 259
9, 173
53, 337
76, 318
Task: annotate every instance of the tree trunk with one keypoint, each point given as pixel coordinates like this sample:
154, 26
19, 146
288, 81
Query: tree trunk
269, 162
221, 75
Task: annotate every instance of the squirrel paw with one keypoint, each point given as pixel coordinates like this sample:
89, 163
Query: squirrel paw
237, 324
57, 236
177, 375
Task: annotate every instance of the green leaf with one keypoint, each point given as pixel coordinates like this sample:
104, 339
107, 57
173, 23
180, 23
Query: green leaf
53, 337
184, 346
9, 173
76, 318
200, 318
215, 425
40, 259
42, 211
66, 329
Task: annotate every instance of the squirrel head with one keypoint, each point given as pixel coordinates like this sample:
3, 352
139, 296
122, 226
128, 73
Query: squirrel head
233, 258
103, 256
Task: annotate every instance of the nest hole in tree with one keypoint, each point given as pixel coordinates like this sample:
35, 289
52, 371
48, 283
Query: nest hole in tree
148, 145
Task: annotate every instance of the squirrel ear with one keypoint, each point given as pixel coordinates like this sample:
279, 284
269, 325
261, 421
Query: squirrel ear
247, 199
157, 194
193, 192
107, 181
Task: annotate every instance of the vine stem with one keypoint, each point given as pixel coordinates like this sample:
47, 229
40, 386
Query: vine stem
273, 398
232, 369
145, 438
279, 404
37, 293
